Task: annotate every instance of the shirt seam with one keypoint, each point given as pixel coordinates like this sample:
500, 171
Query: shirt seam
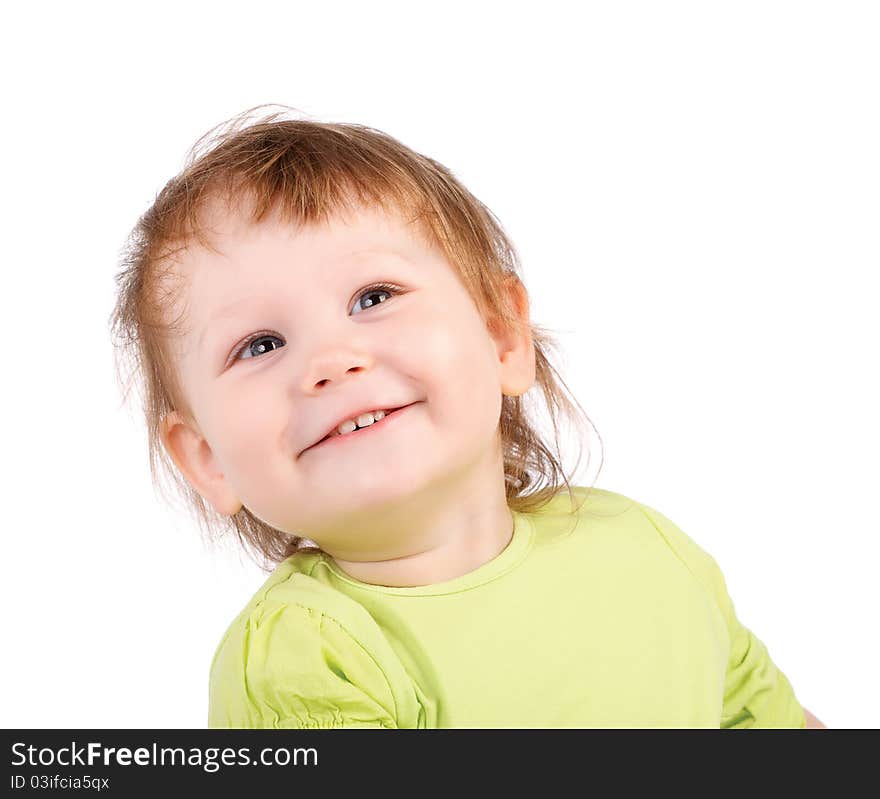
706, 589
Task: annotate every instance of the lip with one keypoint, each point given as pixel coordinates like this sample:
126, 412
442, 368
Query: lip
365, 432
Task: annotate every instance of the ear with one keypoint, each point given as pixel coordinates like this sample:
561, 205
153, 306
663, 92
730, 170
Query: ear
193, 456
516, 350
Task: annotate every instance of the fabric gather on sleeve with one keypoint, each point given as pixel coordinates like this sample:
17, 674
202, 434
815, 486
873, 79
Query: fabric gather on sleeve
284, 665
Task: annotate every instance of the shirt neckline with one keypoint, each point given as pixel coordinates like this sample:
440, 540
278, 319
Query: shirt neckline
504, 561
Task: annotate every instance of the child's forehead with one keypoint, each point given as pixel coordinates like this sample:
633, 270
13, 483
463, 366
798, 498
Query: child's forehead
232, 244
237, 217
225, 232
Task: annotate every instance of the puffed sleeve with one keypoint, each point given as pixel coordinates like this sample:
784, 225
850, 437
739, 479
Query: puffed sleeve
283, 665
756, 692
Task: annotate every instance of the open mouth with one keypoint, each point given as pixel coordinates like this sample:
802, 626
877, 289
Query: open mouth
390, 413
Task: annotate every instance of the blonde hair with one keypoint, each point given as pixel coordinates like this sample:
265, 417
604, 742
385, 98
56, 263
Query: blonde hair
311, 170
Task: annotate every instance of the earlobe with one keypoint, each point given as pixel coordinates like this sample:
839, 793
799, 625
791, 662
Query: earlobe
195, 460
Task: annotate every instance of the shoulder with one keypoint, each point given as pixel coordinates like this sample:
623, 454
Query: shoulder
685, 549
637, 533
619, 520
302, 654
696, 563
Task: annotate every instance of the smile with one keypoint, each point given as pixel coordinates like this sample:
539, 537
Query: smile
388, 422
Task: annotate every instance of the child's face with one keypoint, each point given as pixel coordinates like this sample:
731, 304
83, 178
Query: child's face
325, 353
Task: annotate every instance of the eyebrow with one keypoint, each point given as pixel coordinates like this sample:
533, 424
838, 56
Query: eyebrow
227, 311
256, 303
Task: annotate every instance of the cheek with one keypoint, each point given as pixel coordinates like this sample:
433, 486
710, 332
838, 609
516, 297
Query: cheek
243, 424
450, 348
458, 366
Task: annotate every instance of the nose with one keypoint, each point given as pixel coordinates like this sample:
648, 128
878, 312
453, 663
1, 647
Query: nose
335, 366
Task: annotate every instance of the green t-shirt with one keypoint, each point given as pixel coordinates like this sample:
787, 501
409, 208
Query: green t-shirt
607, 616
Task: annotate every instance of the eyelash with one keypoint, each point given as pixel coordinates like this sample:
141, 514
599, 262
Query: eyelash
389, 288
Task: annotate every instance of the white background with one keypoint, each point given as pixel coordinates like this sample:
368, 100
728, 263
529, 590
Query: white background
693, 191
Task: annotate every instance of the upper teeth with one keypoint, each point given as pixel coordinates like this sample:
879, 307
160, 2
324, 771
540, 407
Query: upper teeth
364, 420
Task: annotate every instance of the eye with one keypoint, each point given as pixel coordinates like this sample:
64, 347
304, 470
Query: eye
262, 337
377, 290
246, 347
